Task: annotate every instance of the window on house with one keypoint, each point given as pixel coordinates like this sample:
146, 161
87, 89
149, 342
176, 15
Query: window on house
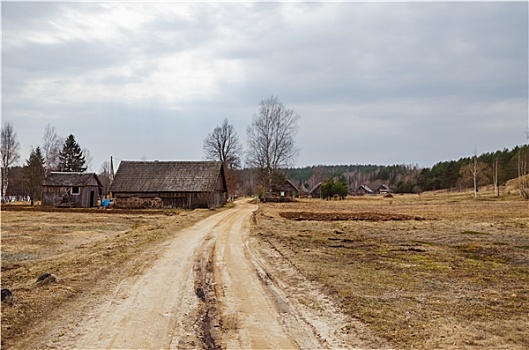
75, 190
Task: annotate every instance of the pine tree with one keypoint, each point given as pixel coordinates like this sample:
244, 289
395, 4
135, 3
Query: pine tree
34, 173
71, 158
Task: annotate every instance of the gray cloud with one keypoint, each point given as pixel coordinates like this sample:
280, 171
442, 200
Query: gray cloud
374, 82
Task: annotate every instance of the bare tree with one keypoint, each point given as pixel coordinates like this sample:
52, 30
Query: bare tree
522, 174
474, 170
223, 145
271, 143
51, 146
495, 168
475, 174
104, 176
10, 154
88, 158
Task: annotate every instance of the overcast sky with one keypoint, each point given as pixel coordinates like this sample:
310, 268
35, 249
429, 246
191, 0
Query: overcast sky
377, 83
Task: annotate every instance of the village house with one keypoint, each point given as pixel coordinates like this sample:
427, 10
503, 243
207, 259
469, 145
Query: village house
288, 190
363, 189
71, 190
316, 191
156, 184
383, 189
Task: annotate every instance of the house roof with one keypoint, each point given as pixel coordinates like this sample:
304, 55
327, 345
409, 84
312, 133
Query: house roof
134, 176
383, 187
69, 179
318, 185
365, 188
287, 183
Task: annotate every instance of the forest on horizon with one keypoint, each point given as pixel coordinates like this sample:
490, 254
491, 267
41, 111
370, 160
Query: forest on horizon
402, 178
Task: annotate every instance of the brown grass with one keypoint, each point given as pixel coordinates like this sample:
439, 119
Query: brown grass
457, 278
86, 250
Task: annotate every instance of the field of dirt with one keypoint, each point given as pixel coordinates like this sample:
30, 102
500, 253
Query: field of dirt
439, 270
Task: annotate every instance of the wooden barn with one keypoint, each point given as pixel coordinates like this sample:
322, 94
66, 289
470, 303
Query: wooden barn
363, 189
71, 190
141, 184
383, 189
316, 191
288, 189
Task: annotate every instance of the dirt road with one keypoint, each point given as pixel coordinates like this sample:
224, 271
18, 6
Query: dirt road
208, 289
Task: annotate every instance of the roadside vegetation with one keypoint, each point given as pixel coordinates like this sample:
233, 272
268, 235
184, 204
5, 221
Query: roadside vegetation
439, 270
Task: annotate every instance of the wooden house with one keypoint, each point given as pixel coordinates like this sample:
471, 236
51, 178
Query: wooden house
316, 191
71, 190
383, 189
141, 184
363, 189
288, 190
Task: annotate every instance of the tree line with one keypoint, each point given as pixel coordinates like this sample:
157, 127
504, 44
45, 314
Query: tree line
271, 148
492, 168
55, 154
270, 153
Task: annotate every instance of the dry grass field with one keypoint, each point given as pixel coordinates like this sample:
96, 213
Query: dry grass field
439, 270
87, 251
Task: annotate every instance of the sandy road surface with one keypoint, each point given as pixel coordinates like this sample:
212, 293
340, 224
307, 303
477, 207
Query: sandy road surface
207, 289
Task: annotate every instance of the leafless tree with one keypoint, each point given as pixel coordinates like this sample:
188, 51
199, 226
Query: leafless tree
51, 146
495, 168
10, 154
88, 158
522, 175
475, 174
104, 176
223, 145
271, 144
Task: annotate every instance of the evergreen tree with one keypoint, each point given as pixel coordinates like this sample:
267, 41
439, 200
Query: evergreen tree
330, 188
71, 158
34, 173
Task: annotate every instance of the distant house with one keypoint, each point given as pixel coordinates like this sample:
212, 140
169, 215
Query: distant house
169, 185
288, 189
360, 191
316, 191
71, 190
383, 189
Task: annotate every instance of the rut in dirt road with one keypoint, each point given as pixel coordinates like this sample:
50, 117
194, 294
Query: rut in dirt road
206, 290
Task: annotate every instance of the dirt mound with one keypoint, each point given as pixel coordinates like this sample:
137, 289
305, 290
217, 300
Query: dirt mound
345, 216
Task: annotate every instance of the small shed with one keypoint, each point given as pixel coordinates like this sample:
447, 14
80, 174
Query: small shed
173, 184
316, 191
383, 189
363, 189
71, 190
288, 189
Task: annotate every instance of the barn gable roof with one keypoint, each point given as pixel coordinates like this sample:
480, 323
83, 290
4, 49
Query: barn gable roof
365, 188
142, 176
315, 188
384, 188
71, 179
288, 185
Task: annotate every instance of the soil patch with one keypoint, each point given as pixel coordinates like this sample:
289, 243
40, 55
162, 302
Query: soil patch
344, 216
